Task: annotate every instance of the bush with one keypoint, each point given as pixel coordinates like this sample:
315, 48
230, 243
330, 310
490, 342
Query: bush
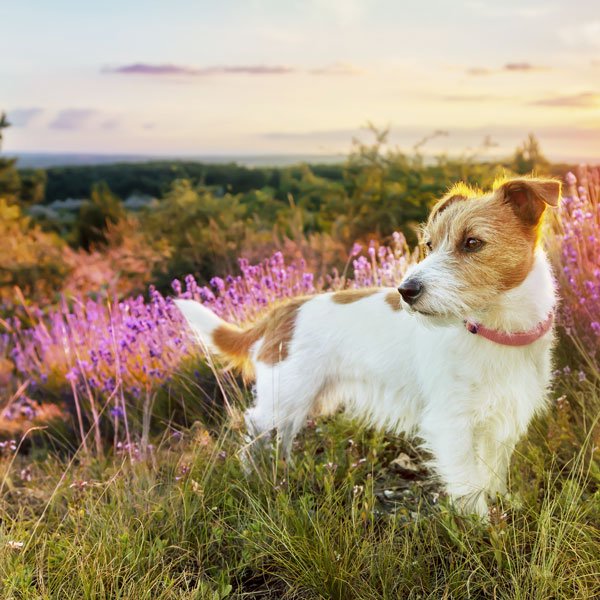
577, 251
30, 259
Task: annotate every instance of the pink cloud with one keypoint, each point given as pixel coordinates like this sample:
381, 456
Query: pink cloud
170, 70
582, 100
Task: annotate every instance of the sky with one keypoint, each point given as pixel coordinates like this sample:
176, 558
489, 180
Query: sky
296, 77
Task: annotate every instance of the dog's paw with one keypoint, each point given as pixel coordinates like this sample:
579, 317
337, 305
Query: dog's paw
473, 504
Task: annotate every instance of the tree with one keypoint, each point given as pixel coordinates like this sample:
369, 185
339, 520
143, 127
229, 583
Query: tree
3, 125
529, 158
199, 232
95, 215
10, 182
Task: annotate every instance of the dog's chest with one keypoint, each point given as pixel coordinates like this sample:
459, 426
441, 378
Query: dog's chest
484, 378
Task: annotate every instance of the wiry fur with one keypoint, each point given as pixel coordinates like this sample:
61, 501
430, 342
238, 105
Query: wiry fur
416, 369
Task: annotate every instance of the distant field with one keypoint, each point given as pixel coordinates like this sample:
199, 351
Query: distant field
34, 160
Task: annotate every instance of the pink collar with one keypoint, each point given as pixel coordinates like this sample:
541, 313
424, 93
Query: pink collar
522, 338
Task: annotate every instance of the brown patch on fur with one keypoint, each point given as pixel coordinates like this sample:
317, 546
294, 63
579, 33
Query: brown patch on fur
457, 193
443, 204
350, 296
275, 330
279, 331
393, 300
235, 343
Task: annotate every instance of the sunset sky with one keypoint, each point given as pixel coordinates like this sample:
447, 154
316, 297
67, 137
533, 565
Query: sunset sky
278, 76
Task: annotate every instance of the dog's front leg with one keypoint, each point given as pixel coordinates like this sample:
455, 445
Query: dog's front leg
495, 450
452, 443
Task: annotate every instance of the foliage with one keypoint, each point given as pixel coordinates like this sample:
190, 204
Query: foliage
198, 229
112, 359
204, 221
577, 248
27, 186
10, 182
30, 259
123, 267
32, 186
95, 216
154, 178
529, 158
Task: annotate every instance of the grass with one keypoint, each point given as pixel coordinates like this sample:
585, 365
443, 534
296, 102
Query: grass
187, 521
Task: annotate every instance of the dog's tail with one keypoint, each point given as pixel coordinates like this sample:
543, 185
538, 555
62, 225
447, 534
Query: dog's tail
218, 336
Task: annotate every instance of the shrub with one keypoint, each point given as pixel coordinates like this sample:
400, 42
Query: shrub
30, 259
110, 357
577, 251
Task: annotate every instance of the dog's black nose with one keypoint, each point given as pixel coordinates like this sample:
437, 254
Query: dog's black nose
410, 290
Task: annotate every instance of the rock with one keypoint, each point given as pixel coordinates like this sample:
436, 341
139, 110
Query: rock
404, 465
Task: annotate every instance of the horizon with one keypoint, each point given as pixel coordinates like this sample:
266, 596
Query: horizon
34, 159
268, 78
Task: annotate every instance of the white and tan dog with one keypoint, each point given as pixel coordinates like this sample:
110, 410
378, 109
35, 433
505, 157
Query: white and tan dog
459, 355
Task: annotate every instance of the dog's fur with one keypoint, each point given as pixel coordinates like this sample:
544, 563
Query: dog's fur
416, 369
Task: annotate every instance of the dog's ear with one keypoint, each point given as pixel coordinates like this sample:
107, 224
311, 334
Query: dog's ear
529, 197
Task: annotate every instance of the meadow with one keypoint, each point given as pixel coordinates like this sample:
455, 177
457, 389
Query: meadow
120, 471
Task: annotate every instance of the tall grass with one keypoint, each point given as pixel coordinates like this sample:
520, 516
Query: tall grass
189, 523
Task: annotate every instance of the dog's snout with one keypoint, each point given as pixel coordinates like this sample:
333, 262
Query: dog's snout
410, 290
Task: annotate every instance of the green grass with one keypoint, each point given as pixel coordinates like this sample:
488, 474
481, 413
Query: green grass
188, 522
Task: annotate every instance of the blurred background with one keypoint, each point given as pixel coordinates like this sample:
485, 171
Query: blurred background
142, 140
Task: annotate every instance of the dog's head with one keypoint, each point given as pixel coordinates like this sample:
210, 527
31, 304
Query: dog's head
479, 246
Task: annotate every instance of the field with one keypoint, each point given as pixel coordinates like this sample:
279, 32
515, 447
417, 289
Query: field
120, 471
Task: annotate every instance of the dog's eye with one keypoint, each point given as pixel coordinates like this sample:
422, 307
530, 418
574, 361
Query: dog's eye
473, 244
429, 246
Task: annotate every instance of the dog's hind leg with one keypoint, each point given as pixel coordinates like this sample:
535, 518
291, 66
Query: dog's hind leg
285, 395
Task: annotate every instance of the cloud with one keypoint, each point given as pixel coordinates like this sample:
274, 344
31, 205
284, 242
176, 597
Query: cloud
110, 124
169, 70
336, 69
20, 117
470, 98
178, 70
144, 69
479, 71
582, 100
72, 118
513, 67
519, 66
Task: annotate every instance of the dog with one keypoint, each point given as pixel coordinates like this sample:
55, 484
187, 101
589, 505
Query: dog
459, 355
